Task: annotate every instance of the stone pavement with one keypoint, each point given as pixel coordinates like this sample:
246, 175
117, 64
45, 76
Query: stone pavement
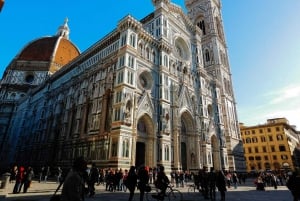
245, 192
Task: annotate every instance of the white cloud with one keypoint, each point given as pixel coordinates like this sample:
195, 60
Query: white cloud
281, 103
285, 94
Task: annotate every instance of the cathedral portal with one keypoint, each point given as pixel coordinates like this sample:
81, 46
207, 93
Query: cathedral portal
145, 146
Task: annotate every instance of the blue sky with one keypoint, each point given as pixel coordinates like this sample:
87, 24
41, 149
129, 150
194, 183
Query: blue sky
263, 39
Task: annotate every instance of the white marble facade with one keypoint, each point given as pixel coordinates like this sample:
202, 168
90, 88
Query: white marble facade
153, 91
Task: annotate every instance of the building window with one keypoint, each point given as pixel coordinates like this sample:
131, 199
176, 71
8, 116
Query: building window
262, 138
279, 137
253, 131
117, 114
120, 77
284, 157
249, 150
269, 130
114, 148
125, 148
121, 61
118, 97
251, 158
147, 53
254, 139
274, 157
166, 60
129, 77
207, 58
140, 49
248, 140
167, 153
270, 138
256, 149
266, 158
282, 148
154, 57
272, 149
260, 130
123, 40
258, 158
201, 25
259, 166
130, 61
264, 149
132, 40
277, 129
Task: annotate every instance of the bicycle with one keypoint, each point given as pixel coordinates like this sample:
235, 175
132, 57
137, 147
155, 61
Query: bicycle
192, 188
171, 193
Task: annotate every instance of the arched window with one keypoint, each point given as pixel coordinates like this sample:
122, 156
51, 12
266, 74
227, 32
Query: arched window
207, 57
132, 40
167, 153
147, 53
166, 60
201, 25
153, 57
141, 49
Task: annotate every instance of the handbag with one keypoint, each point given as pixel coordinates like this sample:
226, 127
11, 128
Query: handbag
56, 197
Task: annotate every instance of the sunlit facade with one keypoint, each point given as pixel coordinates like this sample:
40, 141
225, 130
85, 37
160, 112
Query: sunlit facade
155, 91
270, 146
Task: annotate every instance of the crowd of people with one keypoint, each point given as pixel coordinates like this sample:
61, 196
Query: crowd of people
87, 177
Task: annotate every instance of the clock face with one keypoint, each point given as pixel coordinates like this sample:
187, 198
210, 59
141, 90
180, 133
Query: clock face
29, 78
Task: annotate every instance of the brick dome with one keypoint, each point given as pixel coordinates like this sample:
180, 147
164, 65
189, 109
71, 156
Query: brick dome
47, 53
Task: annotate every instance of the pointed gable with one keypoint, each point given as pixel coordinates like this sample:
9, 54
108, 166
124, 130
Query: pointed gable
145, 106
184, 99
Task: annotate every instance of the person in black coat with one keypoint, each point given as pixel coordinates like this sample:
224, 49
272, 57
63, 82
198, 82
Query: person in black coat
143, 177
293, 185
92, 179
131, 182
221, 184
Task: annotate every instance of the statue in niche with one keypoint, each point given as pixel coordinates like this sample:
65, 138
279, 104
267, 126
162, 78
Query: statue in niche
127, 112
193, 160
165, 121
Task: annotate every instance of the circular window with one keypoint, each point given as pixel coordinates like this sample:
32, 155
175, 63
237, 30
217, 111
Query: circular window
29, 78
146, 80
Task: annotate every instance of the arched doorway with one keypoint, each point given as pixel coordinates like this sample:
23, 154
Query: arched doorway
216, 157
187, 142
140, 154
145, 146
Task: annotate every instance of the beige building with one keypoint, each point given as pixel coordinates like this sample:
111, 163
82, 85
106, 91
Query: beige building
155, 91
270, 146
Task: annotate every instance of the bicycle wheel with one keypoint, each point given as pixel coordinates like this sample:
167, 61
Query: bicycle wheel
149, 195
175, 195
191, 189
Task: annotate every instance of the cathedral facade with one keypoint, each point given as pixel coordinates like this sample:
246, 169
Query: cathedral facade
155, 91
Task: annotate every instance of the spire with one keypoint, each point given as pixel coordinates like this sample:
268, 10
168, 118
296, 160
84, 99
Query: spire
64, 30
158, 2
